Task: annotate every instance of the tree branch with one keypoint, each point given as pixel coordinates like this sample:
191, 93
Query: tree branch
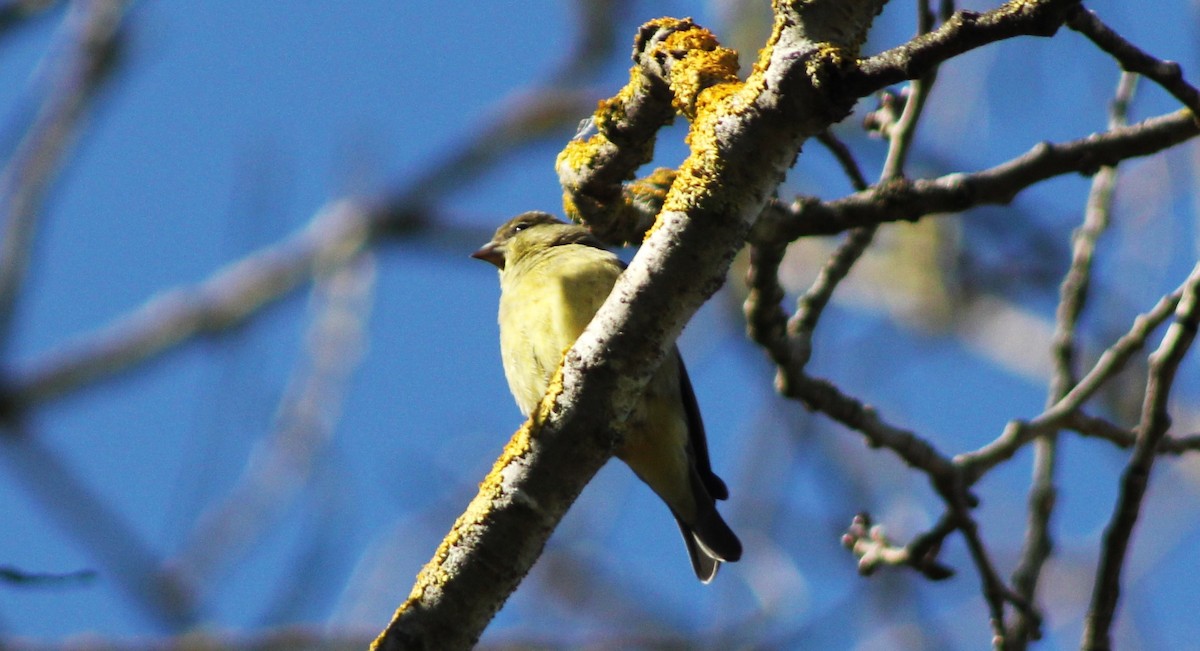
964, 31
1167, 74
337, 234
904, 200
1155, 420
743, 137
978, 462
1073, 295
84, 54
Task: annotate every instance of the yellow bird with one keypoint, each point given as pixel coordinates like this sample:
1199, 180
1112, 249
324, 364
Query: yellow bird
553, 278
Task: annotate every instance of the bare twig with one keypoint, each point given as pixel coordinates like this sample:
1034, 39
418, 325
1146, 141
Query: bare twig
904, 200
304, 425
337, 234
791, 356
954, 491
873, 548
802, 325
1155, 421
915, 450
962, 32
845, 158
809, 307
83, 57
1018, 433
1167, 74
1073, 294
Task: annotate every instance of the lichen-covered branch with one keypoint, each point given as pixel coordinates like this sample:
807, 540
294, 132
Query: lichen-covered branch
594, 166
743, 137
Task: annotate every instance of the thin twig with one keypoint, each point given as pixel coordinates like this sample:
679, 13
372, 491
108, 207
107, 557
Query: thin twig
1018, 433
767, 323
810, 306
961, 32
1155, 420
1167, 74
828, 399
303, 427
1073, 295
83, 58
845, 158
230, 296
874, 549
904, 200
955, 492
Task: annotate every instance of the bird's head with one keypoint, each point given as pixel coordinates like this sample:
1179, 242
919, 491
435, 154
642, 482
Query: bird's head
530, 232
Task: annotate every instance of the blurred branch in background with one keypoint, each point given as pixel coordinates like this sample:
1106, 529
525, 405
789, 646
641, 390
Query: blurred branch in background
77, 64
338, 232
15, 12
284, 638
335, 252
18, 576
330, 248
305, 422
126, 558
335, 236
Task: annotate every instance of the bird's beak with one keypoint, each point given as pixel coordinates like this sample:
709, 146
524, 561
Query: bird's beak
491, 252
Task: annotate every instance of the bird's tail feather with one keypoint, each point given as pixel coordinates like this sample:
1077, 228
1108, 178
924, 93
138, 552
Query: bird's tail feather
709, 542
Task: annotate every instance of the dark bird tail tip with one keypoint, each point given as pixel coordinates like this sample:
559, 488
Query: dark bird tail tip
709, 546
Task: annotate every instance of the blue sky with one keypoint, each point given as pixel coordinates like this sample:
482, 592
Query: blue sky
230, 124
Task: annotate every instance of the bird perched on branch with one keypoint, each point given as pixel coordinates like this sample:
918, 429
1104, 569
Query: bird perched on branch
553, 278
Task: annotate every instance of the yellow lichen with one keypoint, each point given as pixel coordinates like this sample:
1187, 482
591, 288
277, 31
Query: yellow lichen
434, 573
569, 207
546, 406
764, 54
651, 190
827, 55
578, 153
700, 64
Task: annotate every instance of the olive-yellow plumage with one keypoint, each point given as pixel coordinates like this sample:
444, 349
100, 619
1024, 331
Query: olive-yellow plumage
553, 278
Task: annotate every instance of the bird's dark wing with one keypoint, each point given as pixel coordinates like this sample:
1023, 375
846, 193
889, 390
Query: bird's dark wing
697, 439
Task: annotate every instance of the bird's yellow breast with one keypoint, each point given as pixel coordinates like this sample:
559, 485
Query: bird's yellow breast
548, 296
547, 300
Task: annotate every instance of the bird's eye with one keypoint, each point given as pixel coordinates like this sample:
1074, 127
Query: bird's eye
520, 226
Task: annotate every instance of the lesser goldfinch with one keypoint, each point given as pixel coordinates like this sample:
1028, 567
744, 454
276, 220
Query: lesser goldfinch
553, 278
